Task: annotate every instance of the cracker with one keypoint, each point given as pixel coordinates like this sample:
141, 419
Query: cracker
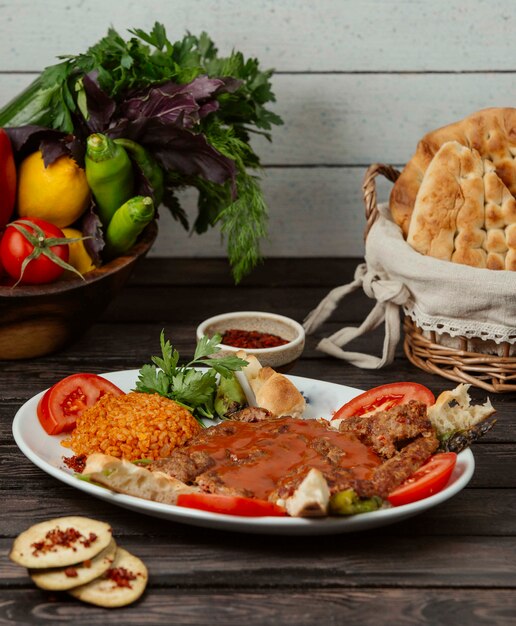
77, 539
104, 591
63, 578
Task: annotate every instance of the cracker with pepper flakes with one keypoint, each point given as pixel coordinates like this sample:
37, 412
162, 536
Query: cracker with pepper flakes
64, 578
60, 542
123, 583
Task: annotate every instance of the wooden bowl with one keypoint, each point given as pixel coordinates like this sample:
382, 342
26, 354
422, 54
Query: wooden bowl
39, 319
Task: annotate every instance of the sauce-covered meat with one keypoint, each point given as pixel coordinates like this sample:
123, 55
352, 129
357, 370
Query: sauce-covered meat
255, 459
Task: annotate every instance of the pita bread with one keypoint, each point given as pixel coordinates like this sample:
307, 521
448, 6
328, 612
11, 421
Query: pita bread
63, 578
105, 592
453, 411
125, 477
464, 212
311, 498
273, 391
491, 132
35, 549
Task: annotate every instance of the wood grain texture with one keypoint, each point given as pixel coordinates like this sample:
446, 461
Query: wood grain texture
362, 607
357, 119
453, 564
291, 35
367, 560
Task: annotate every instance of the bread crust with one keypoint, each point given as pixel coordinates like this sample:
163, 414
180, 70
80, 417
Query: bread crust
463, 211
491, 132
273, 391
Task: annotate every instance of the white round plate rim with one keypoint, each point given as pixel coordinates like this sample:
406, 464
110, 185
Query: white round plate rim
26, 428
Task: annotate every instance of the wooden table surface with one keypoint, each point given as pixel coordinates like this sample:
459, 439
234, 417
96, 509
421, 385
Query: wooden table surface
454, 564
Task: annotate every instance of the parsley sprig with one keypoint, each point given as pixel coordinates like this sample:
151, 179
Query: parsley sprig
194, 388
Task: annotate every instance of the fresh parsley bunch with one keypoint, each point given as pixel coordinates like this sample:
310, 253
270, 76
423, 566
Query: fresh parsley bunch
191, 109
195, 389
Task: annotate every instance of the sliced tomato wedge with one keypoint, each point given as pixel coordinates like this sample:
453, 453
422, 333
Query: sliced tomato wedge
230, 505
62, 404
384, 397
430, 478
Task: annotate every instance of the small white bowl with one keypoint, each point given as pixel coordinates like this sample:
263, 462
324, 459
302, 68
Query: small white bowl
280, 357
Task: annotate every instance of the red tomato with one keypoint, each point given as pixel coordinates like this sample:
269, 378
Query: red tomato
59, 408
7, 179
430, 478
384, 397
15, 248
230, 505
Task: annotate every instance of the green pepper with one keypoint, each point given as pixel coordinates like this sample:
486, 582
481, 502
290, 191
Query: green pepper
127, 223
230, 396
347, 502
148, 165
109, 172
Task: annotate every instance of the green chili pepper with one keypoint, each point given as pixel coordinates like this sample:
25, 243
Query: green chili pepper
347, 502
148, 165
127, 223
109, 172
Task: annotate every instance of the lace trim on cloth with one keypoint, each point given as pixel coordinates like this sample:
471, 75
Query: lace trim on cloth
470, 329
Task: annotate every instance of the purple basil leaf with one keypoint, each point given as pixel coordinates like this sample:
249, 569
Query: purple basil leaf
76, 149
178, 149
52, 143
158, 104
91, 226
209, 107
52, 150
203, 87
178, 104
100, 106
25, 139
192, 155
230, 85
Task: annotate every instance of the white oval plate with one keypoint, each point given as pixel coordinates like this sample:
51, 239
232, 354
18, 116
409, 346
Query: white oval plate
323, 399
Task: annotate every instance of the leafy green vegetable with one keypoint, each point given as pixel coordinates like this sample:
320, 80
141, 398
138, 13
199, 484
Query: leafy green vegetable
193, 388
193, 111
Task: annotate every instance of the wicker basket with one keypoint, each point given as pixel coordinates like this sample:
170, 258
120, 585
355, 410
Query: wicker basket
491, 372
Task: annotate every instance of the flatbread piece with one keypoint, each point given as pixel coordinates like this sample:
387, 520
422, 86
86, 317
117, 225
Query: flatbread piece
60, 542
122, 584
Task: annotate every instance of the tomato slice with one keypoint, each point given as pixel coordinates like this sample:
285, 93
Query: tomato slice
430, 478
230, 505
384, 397
60, 406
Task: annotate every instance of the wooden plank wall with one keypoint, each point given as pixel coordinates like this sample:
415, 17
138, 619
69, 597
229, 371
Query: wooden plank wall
357, 82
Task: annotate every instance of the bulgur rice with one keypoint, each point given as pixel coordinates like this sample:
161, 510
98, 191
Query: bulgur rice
133, 426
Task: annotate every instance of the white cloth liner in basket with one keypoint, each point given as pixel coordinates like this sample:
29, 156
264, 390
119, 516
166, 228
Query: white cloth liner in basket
438, 295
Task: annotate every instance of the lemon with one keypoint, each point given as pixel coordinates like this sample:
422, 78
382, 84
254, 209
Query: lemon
58, 193
79, 258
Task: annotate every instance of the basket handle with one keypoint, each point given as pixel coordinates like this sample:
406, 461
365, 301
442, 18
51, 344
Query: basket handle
369, 190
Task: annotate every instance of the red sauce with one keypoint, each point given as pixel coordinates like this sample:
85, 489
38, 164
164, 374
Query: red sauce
269, 450
251, 339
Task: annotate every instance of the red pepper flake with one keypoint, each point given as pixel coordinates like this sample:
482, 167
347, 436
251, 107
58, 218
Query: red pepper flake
71, 572
251, 339
76, 463
87, 542
65, 538
87, 563
120, 576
